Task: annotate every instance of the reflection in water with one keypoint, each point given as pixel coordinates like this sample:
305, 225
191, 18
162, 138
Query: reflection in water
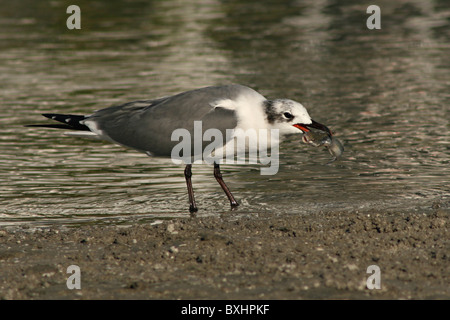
383, 92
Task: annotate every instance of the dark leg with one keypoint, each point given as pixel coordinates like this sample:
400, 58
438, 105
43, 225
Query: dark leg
218, 176
188, 175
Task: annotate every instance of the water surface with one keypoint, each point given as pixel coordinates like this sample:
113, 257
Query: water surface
385, 93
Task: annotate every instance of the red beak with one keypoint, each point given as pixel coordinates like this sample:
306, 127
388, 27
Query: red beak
313, 124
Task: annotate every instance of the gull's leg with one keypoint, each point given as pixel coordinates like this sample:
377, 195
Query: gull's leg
188, 175
218, 176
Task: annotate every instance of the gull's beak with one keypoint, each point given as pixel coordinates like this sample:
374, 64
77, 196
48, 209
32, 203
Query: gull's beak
313, 125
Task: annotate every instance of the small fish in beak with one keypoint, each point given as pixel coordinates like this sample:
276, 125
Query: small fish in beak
318, 138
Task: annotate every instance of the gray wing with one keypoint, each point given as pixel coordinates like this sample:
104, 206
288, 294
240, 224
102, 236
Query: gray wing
147, 125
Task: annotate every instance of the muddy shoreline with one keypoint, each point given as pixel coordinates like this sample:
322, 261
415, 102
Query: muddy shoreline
321, 256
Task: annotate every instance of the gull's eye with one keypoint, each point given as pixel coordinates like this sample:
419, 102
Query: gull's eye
287, 115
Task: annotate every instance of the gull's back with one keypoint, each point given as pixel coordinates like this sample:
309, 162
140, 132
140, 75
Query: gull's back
147, 125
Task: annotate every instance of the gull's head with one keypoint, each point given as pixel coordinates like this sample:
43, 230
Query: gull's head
290, 117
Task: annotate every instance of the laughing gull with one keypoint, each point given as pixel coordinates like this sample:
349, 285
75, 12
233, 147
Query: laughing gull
148, 125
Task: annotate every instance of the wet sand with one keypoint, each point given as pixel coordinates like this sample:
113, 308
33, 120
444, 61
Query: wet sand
321, 256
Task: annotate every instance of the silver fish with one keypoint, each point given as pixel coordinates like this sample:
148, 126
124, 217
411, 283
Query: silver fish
321, 138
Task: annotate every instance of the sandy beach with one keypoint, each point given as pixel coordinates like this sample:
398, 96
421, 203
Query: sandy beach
321, 256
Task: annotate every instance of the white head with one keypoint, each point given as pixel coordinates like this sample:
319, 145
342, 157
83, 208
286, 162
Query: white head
290, 116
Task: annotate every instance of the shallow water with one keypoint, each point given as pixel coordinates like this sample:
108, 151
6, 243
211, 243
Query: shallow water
385, 93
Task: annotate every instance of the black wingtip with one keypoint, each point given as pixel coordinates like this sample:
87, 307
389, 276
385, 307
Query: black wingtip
49, 115
53, 126
70, 121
